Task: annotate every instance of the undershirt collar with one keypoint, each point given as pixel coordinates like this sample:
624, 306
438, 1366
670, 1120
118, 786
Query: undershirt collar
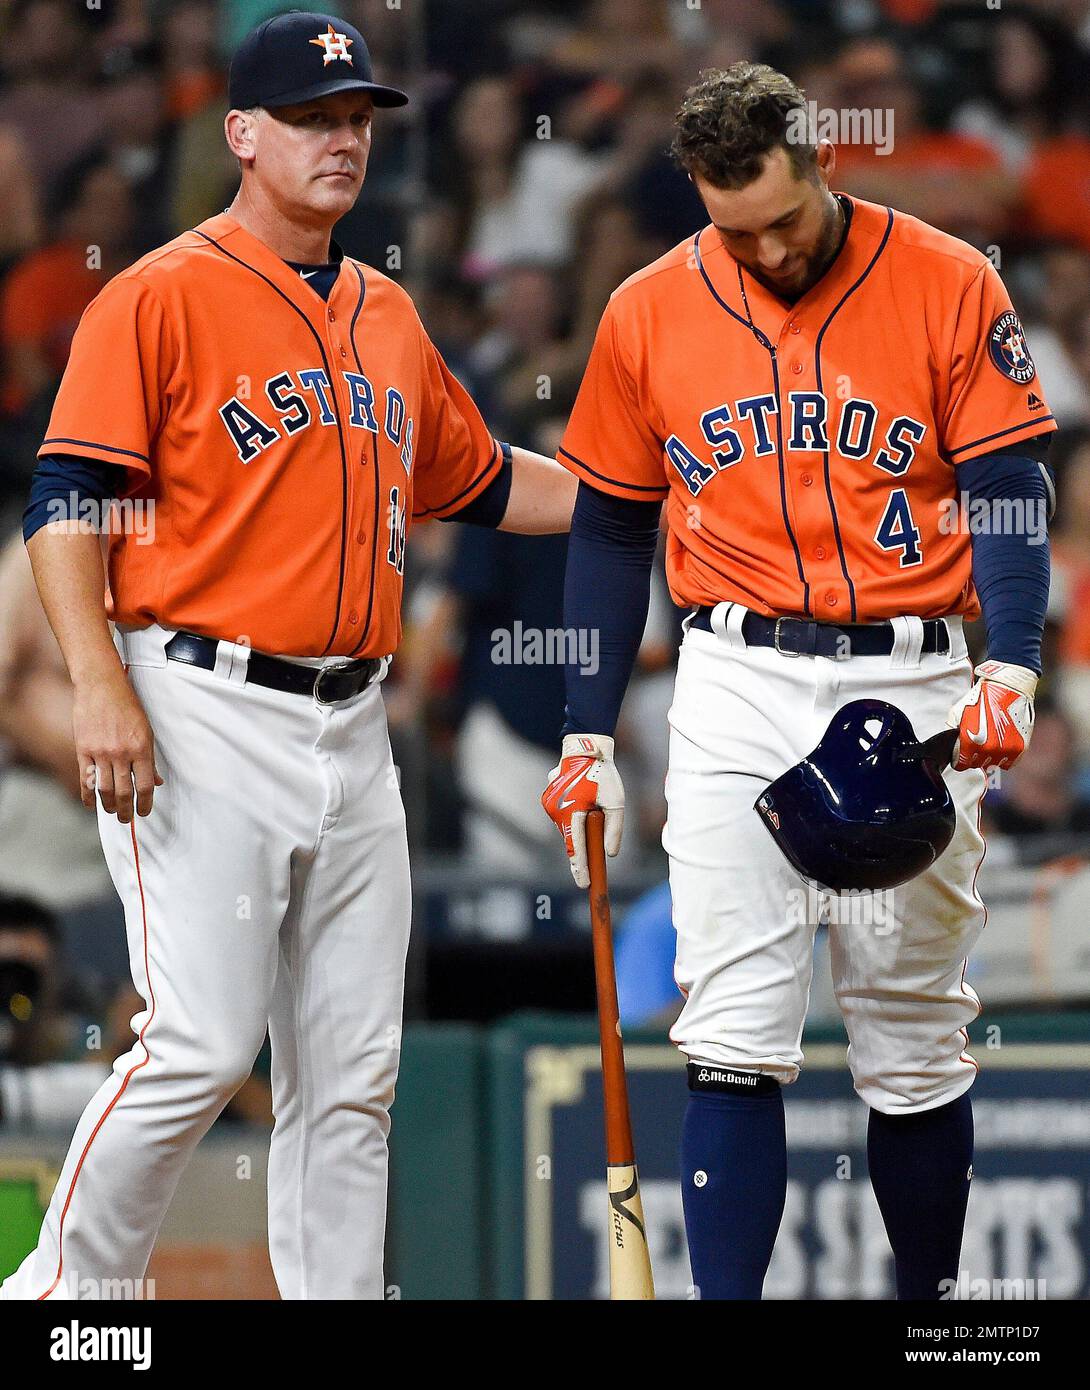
321, 278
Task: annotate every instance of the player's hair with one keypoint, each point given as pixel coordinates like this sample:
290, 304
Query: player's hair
732, 117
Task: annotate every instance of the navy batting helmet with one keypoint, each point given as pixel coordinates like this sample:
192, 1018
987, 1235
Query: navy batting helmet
868, 808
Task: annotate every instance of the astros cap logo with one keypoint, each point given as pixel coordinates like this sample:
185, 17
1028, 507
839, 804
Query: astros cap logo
335, 45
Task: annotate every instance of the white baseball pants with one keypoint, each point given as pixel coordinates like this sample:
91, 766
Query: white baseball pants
746, 920
269, 888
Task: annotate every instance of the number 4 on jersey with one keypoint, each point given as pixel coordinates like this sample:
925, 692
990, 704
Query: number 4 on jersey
897, 530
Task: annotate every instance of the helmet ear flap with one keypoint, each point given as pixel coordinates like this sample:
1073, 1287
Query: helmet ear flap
864, 811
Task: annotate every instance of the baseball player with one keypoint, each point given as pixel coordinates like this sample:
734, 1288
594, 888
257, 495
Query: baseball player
822, 391
279, 413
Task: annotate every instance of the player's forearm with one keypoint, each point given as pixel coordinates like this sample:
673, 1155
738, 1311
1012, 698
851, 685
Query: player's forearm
607, 588
1010, 553
542, 495
67, 566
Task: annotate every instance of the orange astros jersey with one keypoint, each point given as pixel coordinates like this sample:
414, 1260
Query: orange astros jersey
284, 441
806, 451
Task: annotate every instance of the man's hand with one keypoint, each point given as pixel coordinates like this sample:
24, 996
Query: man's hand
114, 747
585, 777
994, 719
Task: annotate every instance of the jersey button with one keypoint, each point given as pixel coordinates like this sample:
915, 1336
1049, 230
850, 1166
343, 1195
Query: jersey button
361, 537
819, 553
332, 316
796, 367
795, 328
353, 616
831, 600
343, 353
807, 480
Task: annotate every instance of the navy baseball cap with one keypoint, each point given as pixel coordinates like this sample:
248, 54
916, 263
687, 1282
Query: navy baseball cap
301, 55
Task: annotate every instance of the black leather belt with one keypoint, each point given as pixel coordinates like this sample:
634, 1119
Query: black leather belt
803, 637
327, 684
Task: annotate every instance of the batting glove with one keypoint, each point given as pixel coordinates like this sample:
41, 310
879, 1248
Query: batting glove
994, 719
586, 776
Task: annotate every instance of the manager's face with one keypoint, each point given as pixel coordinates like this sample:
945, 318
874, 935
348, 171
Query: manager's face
308, 160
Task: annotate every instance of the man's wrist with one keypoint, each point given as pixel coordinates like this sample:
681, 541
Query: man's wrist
1006, 673
97, 671
587, 746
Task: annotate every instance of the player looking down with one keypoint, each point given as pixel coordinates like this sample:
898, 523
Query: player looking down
807, 383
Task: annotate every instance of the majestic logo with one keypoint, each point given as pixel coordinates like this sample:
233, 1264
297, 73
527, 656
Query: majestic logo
336, 46
1009, 350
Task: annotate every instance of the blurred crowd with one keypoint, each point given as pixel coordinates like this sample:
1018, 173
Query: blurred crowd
527, 178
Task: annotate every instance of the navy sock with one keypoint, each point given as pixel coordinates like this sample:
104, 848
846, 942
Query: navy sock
920, 1169
733, 1184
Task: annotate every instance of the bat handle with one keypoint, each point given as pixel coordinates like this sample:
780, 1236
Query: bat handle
630, 1275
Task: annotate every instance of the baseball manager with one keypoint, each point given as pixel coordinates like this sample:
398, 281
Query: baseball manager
282, 412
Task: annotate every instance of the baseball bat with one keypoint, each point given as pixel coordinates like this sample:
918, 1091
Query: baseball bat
629, 1259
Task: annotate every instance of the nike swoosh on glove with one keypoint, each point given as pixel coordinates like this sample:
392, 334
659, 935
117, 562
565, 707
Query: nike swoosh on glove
586, 776
994, 719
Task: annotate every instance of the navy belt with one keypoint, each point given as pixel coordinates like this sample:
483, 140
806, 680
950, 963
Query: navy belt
327, 684
804, 637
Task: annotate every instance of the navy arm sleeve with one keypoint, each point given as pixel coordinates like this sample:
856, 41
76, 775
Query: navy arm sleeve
607, 589
1007, 499
61, 482
489, 507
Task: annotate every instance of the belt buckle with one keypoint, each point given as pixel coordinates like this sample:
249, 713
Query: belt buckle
783, 651
325, 671
367, 677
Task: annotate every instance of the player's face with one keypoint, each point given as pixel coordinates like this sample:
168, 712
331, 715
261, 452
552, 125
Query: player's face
311, 159
783, 229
